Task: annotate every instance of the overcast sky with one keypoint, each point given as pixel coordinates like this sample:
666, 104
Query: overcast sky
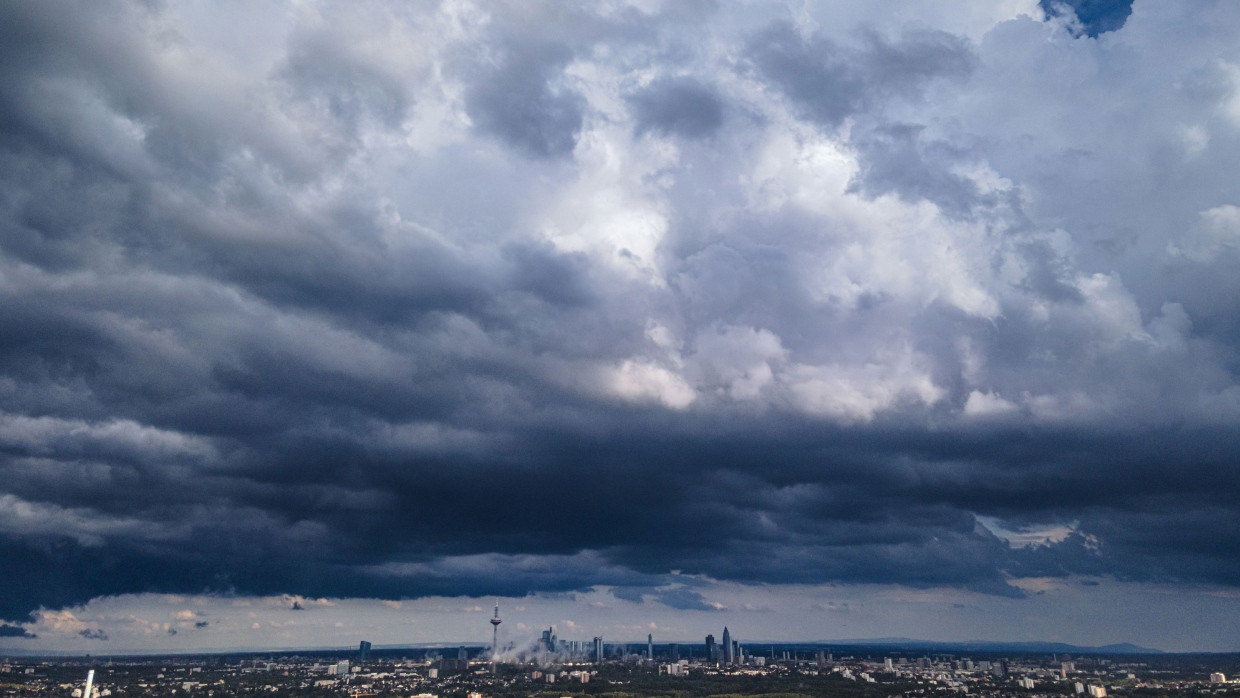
817, 320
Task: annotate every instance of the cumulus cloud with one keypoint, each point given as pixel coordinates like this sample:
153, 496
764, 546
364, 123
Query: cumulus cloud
479, 298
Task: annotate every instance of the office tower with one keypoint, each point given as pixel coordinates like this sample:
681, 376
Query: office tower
650, 647
821, 659
342, 667
675, 650
729, 652
363, 651
548, 640
712, 650
598, 650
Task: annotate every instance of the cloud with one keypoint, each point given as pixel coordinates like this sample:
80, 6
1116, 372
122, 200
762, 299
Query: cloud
472, 299
828, 82
7, 630
677, 106
93, 634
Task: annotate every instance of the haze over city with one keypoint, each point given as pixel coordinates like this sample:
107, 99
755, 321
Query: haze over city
324, 322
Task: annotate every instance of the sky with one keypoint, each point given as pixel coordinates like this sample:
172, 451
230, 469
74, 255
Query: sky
329, 321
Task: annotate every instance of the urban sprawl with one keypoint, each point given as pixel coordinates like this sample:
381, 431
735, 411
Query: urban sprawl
551, 668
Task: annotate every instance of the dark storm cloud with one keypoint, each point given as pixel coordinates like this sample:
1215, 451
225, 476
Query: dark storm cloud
93, 634
15, 631
264, 335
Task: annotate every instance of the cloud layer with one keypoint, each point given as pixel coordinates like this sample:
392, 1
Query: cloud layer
396, 300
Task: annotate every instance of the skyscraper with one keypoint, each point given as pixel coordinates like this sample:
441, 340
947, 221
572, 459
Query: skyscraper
712, 650
548, 640
598, 650
363, 651
729, 652
650, 646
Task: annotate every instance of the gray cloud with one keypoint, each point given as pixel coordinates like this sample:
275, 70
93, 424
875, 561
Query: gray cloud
682, 107
830, 82
518, 102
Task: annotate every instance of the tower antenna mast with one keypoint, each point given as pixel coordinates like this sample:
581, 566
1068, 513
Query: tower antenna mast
495, 621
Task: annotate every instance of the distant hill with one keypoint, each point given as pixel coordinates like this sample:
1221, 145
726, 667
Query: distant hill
980, 646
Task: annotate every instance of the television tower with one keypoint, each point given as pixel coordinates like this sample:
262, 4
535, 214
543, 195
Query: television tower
495, 621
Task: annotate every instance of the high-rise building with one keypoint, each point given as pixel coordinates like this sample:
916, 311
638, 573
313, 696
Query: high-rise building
598, 650
650, 646
363, 651
729, 651
342, 667
548, 641
675, 651
712, 650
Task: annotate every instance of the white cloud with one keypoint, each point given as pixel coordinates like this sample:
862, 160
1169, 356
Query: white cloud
981, 404
640, 381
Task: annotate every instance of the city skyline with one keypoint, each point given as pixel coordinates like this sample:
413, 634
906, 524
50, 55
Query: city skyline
327, 321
